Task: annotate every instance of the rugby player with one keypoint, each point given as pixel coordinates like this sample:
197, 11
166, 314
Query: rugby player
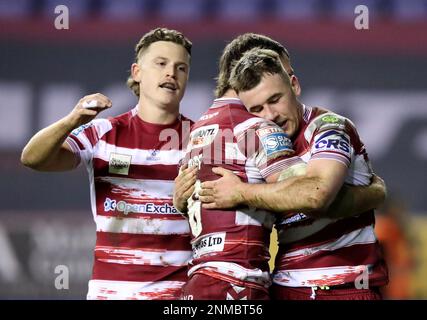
142, 241
320, 256
349, 202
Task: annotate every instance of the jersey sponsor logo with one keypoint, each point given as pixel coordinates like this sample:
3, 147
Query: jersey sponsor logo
335, 142
208, 116
109, 205
277, 142
153, 155
328, 122
293, 219
267, 131
330, 119
126, 208
119, 163
210, 243
80, 129
203, 136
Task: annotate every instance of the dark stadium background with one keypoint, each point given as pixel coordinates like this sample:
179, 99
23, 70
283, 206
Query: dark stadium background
374, 76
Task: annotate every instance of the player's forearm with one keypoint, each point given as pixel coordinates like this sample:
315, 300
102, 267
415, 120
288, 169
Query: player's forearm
354, 200
298, 194
45, 145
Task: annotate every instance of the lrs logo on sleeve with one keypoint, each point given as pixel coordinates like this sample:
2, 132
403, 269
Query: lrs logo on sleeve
119, 163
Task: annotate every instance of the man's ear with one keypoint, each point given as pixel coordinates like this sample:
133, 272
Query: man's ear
136, 72
295, 85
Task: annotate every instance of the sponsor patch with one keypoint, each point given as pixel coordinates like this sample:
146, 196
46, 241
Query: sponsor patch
210, 243
275, 143
78, 130
154, 155
293, 219
330, 119
333, 141
203, 136
126, 208
119, 163
266, 131
208, 116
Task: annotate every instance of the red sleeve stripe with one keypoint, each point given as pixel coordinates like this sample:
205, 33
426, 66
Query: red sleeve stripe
92, 135
76, 145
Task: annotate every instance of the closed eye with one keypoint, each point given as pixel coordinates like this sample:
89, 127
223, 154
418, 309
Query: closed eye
255, 109
274, 99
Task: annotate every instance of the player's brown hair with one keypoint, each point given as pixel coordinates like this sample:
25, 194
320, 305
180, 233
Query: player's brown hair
249, 70
158, 34
235, 50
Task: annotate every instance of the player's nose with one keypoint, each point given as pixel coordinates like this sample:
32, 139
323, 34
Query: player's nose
171, 71
270, 113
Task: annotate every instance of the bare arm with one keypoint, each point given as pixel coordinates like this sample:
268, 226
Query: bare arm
312, 192
229, 191
354, 200
46, 150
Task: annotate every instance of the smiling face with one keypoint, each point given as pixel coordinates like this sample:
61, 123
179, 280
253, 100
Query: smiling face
162, 72
274, 99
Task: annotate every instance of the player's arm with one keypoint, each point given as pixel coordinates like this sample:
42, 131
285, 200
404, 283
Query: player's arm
310, 193
329, 197
184, 187
47, 150
229, 191
354, 200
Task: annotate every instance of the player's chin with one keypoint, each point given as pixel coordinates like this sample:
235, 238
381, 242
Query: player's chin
290, 128
171, 95
170, 102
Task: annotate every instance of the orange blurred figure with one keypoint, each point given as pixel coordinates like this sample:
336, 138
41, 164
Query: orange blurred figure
391, 230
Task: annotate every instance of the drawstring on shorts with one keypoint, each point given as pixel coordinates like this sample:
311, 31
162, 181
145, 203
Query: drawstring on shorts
313, 291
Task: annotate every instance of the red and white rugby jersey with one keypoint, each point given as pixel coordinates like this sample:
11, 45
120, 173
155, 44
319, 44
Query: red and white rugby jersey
143, 242
233, 245
326, 252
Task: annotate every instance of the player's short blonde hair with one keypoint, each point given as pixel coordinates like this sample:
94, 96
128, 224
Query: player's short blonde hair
249, 70
158, 34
